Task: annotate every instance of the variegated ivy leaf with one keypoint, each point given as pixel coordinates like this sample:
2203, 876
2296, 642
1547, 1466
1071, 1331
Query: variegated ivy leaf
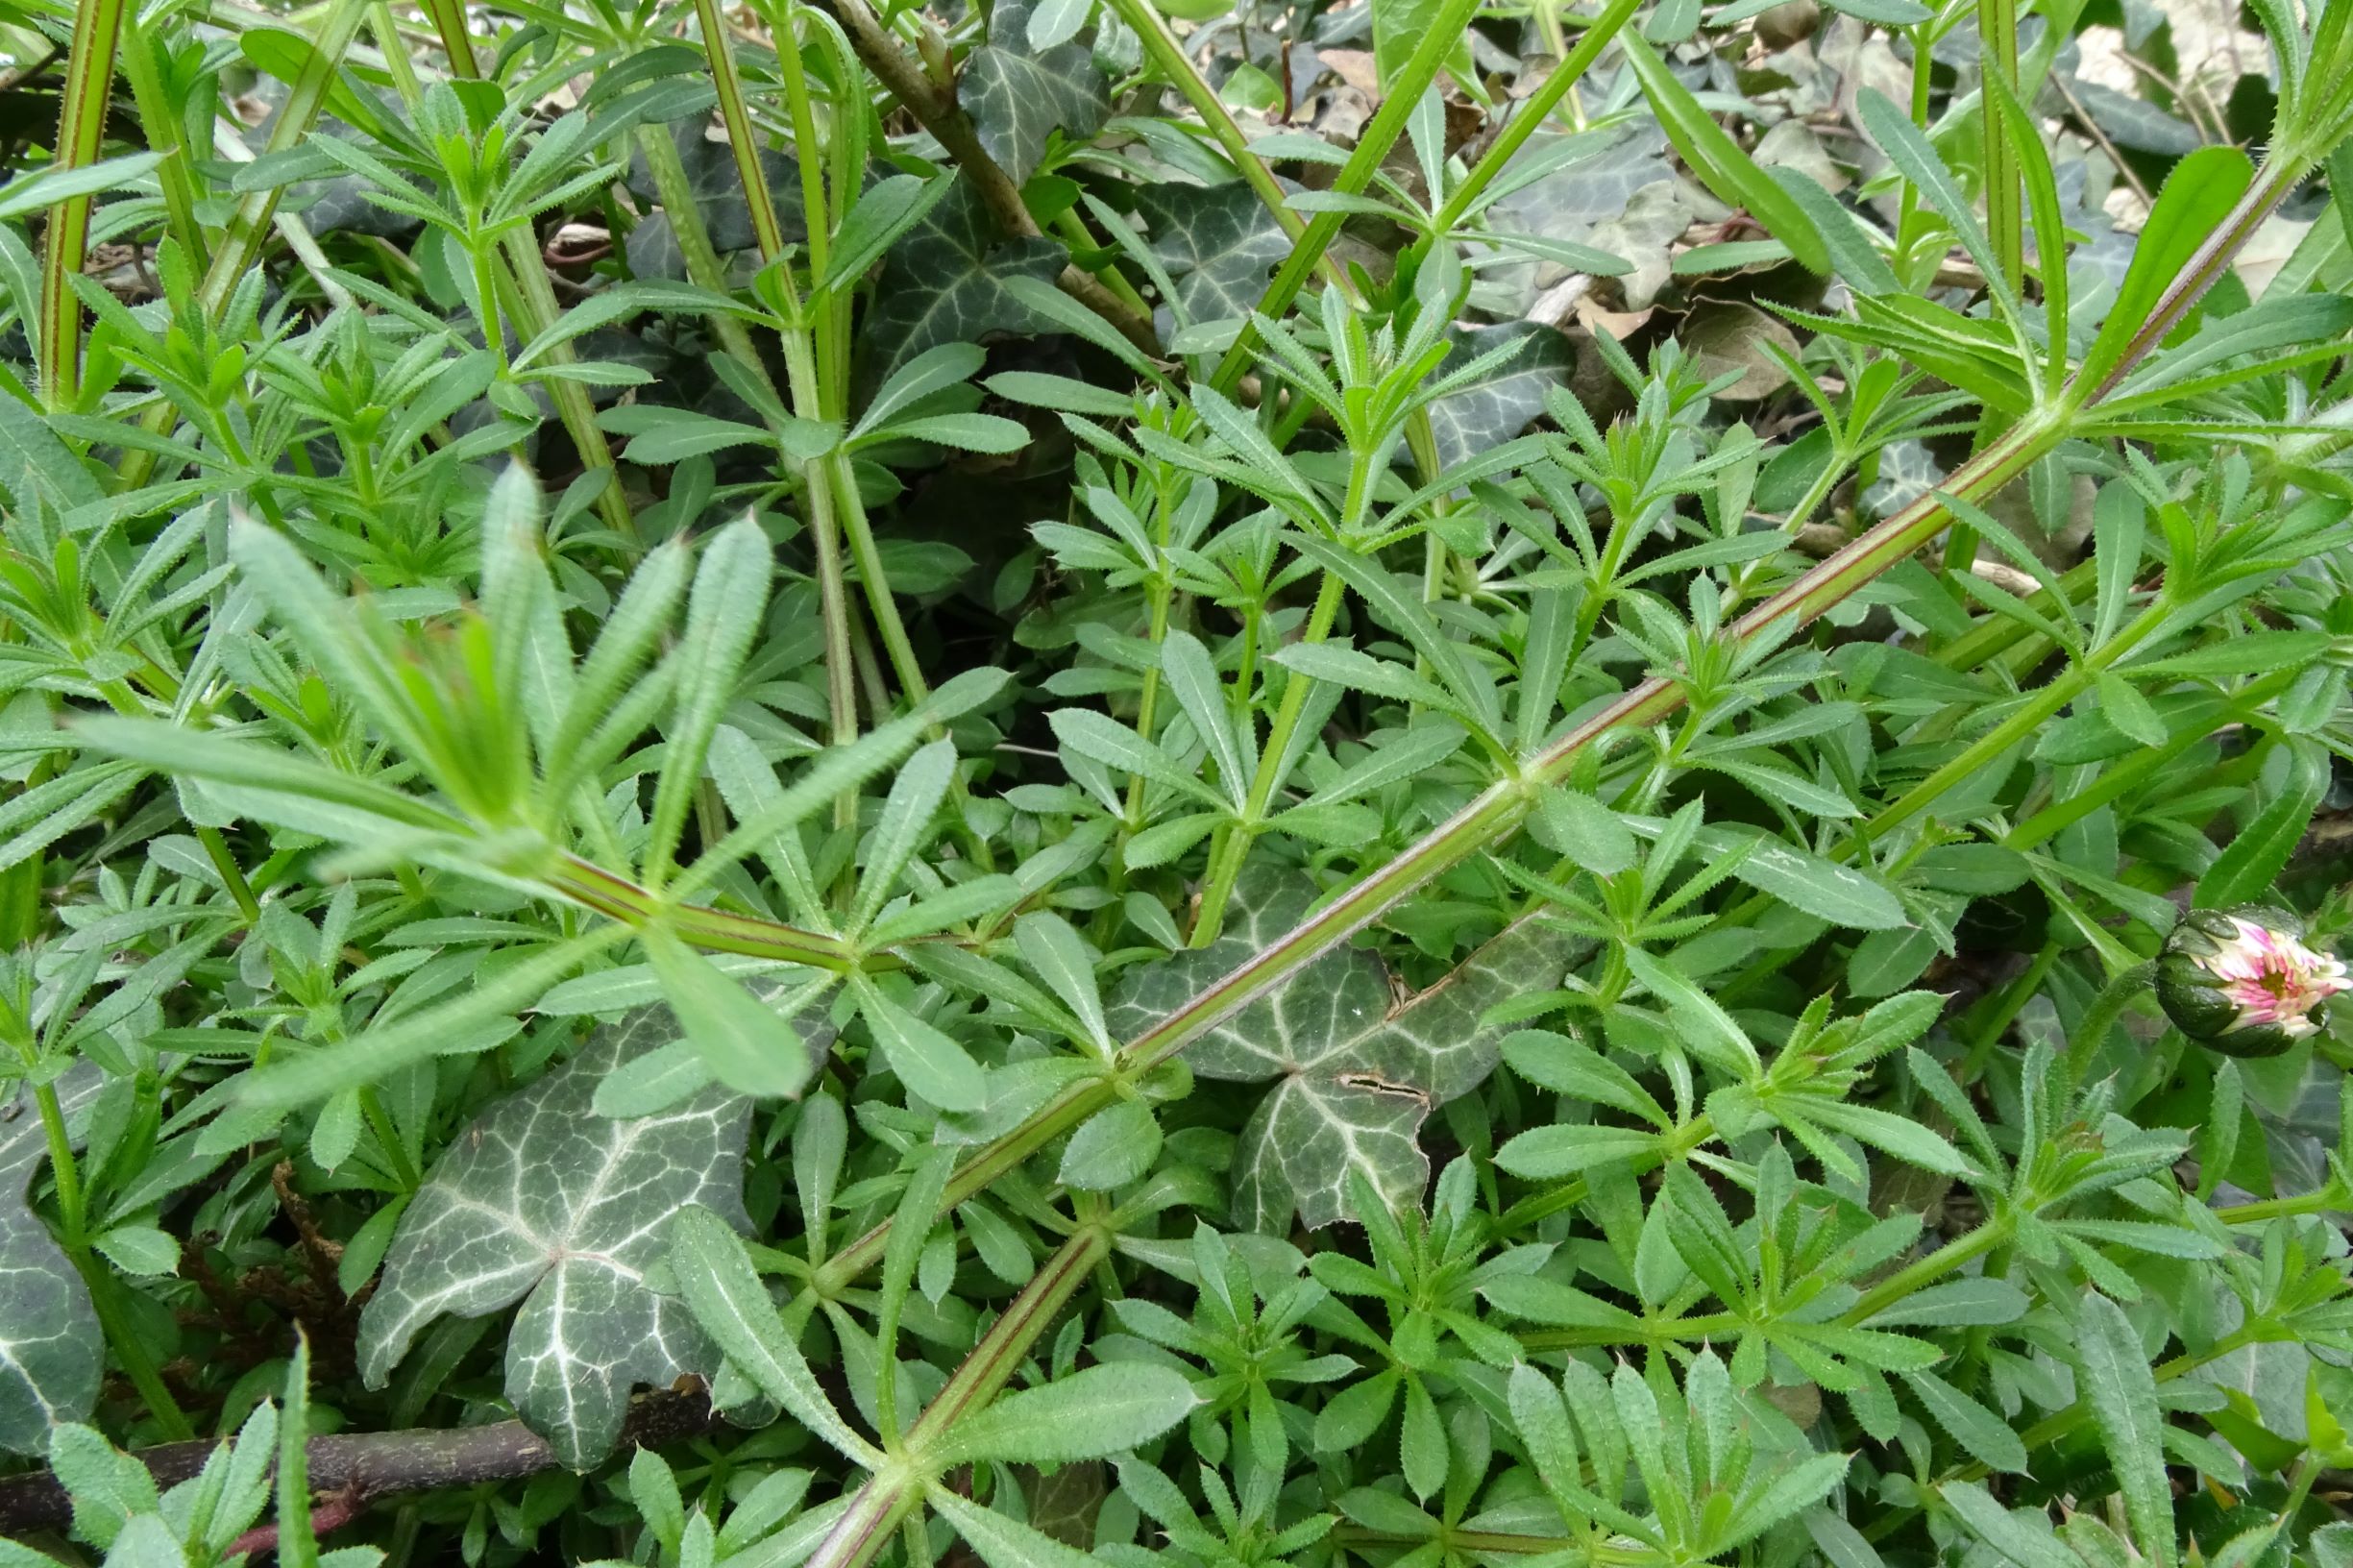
944, 282
1493, 410
1355, 1068
1020, 97
540, 1198
49, 1346
1218, 242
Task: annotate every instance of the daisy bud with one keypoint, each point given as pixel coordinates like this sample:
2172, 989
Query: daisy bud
2241, 981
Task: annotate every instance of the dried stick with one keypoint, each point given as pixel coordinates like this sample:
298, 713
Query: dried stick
351, 1469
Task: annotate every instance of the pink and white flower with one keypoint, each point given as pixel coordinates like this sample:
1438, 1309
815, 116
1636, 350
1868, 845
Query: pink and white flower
2272, 979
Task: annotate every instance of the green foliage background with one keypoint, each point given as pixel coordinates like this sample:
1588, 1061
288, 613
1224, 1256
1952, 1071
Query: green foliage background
1306, 784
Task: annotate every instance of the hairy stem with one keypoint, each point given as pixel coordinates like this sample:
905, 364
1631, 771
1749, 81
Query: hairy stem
81, 123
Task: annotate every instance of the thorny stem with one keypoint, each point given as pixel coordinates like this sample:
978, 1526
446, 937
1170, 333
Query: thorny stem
2030, 716
448, 19
742, 139
836, 511
2051, 1428
676, 195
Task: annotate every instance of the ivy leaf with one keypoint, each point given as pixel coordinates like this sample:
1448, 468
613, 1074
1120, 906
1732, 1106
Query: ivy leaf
50, 1347
1218, 243
944, 282
540, 1198
1018, 99
1353, 1076
1496, 407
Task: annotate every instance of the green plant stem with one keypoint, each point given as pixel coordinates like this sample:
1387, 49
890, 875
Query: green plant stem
850, 507
2005, 203
890, 1496
1387, 124
1147, 700
836, 510
2136, 770
1162, 47
1073, 230
1528, 117
573, 406
675, 193
2279, 174
1895, 1287
448, 19
73, 1219
1998, 634
1986, 1030
81, 123
123, 1338
833, 609
240, 892
1908, 203
239, 250
1468, 1545
2047, 701
386, 30
535, 307
742, 140
63, 1170
1926, 1271
486, 295
161, 128
2091, 1029
2051, 1428
1235, 841
715, 930
821, 216
2327, 1197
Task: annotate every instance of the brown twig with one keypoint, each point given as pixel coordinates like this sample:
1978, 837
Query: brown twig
937, 109
321, 1252
18, 75
364, 1467
333, 1513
